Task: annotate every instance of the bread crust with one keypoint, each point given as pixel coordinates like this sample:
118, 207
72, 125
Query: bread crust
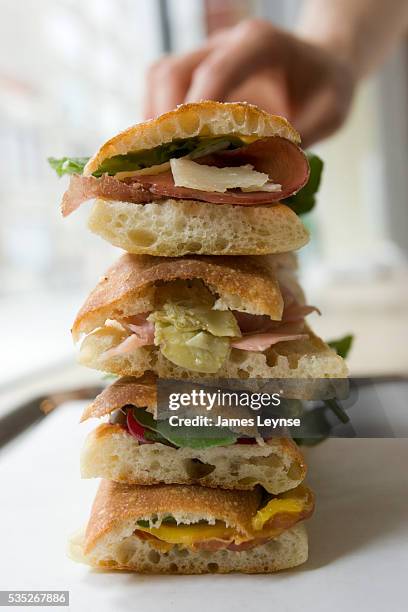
206, 118
140, 392
115, 503
250, 278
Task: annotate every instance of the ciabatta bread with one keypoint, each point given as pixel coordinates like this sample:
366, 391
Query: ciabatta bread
307, 358
206, 118
110, 452
248, 284
173, 228
290, 549
113, 537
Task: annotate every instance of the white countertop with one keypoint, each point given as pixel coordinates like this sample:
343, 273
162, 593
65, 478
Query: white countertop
358, 535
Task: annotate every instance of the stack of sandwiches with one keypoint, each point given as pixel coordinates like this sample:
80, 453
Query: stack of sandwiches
203, 200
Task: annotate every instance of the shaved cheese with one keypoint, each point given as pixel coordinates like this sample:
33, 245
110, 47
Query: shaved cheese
269, 186
187, 173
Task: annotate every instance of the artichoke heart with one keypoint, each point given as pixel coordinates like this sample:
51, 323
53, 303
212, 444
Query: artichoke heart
196, 351
196, 318
191, 334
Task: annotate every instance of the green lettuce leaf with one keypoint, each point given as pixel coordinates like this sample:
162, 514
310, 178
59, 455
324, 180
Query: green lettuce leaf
68, 165
305, 199
195, 437
342, 345
197, 146
183, 436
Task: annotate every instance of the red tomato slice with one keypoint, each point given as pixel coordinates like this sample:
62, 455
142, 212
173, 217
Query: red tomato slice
134, 428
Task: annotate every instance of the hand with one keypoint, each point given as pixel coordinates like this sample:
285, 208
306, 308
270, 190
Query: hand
259, 63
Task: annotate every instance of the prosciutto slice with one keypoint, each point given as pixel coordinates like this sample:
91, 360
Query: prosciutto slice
262, 341
297, 312
260, 333
283, 161
128, 345
139, 325
83, 188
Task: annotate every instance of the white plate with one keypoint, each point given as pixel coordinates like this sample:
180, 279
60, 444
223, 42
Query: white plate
358, 535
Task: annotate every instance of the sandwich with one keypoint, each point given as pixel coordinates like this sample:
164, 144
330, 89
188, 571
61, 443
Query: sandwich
207, 178
177, 529
136, 447
233, 317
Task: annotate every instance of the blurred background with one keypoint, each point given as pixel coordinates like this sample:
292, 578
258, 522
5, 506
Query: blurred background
72, 74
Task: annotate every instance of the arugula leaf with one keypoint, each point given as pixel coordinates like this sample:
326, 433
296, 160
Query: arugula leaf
196, 146
304, 200
342, 345
147, 421
195, 437
68, 165
183, 436
169, 520
144, 418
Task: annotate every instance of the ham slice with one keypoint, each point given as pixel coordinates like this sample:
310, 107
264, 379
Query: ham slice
162, 185
261, 342
297, 312
139, 325
250, 323
260, 333
128, 345
283, 161
142, 334
83, 188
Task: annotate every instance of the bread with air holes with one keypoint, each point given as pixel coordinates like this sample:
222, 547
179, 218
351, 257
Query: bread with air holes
110, 452
123, 551
308, 358
173, 228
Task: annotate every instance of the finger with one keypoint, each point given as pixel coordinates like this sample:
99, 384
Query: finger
323, 114
265, 89
247, 49
168, 80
